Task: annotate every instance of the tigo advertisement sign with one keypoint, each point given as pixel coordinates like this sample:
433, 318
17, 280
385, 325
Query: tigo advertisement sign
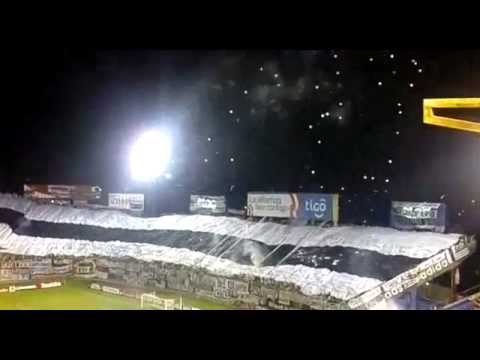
304, 206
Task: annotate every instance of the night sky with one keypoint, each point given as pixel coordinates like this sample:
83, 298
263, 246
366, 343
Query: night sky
330, 120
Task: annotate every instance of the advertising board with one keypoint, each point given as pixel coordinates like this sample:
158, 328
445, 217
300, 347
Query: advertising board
305, 206
418, 216
62, 192
208, 205
127, 201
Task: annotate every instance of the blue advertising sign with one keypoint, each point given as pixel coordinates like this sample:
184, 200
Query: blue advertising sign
312, 206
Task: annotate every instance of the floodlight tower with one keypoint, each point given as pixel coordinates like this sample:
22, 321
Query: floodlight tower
149, 158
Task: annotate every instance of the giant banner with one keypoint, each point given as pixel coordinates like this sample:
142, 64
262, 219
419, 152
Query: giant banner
207, 205
304, 206
418, 216
131, 202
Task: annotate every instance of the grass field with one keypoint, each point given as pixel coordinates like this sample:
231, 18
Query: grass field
76, 295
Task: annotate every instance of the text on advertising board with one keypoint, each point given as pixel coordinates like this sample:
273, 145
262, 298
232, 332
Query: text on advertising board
133, 202
204, 204
420, 216
306, 206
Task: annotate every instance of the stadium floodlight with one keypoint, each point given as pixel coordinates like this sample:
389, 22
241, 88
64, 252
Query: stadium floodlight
149, 156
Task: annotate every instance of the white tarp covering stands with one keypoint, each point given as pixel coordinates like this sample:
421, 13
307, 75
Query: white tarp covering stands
311, 281
383, 240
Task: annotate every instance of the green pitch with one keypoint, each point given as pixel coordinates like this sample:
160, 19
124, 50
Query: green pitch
76, 295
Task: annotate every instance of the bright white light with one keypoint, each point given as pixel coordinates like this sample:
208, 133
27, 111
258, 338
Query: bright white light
340, 117
387, 180
337, 72
392, 56
400, 112
205, 160
365, 177
322, 115
340, 104
371, 59
261, 68
317, 87
168, 176
342, 188
149, 156
372, 178
411, 85
230, 111
420, 71
397, 132
275, 76
335, 56
278, 84
313, 172
209, 139
319, 142
380, 83
399, 104
245, 92
327, 113
310, 127
232, 159
390, 161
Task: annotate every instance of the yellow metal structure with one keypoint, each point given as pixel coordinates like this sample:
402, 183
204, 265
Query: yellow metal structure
430, 118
